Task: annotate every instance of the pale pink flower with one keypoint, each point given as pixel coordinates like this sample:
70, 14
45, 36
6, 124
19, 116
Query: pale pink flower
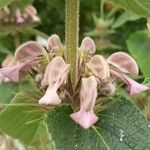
55, 74
8, 61
86, 117
19, 18
122, 66
99, 67
133, 87
26, 57
32, 12
13, 72
124, 63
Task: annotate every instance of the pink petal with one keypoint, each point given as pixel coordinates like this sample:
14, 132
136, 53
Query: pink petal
13, 72
124, 63
88, 94
50, 97
84, 119
55, 70
28, 51
31, 9
55, 74
88, 45
54, 42
108, 89
132, 86
99, 67
19, 18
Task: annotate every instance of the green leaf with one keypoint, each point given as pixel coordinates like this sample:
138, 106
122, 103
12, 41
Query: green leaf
4, 50
125, 17
22, 118
141, 7
4, 3
7, 91
36, 32
139, 46
120, 127
23, 3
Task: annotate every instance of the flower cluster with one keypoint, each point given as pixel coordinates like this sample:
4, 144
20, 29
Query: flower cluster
9, 16
96, 75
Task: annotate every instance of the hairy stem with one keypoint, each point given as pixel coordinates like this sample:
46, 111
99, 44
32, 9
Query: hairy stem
72, 37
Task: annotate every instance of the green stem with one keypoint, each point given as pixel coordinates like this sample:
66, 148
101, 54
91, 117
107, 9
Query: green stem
72, 37
102, 8
16, 40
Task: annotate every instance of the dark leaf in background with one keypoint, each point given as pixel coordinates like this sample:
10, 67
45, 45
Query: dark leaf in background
139, 46
141, 7
120, 127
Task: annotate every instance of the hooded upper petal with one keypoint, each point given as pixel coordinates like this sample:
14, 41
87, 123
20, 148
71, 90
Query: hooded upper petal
88, 94
123, 62
133, 87
88, 45
55, 75
25, 57
28, 51
99, 67
54, 42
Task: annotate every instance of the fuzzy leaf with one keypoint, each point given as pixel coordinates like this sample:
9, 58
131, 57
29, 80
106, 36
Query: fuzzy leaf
23, 3
120, 127
125, 17
21, 119
7, 91
139, 46
141, 7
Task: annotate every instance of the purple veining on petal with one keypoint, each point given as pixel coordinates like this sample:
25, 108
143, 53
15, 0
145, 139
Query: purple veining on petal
85, 117
28, 51
123, 62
